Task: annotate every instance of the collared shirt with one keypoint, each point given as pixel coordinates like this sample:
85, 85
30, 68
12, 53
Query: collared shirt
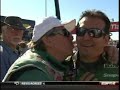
7, 58
103, 69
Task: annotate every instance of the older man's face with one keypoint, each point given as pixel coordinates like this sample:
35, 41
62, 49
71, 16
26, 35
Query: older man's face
89, 45
12, 36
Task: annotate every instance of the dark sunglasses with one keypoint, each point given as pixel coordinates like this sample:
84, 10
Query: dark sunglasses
93, 32
63, 32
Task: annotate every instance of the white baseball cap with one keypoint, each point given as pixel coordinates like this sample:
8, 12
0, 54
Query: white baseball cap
47, 24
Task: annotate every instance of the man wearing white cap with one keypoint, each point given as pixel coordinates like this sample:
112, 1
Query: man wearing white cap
51, 44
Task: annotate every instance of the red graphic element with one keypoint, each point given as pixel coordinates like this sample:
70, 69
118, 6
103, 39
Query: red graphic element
114, 27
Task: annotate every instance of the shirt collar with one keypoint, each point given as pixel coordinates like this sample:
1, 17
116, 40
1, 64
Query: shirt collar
9, 49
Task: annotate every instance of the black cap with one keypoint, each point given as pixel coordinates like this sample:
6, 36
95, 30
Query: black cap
15, 22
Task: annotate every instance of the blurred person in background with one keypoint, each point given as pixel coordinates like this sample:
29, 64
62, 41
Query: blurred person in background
12, 33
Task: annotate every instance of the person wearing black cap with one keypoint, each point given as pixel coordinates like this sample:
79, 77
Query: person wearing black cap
12, 32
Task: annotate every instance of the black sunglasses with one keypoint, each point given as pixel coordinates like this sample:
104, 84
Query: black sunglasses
93, 32
63, 32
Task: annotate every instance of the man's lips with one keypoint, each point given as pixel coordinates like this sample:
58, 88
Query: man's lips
87, 45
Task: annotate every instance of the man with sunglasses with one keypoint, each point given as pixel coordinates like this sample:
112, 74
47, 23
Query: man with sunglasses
51, 44
92, 36
12, 32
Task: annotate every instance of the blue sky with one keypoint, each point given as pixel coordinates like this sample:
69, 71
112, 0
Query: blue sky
69, 9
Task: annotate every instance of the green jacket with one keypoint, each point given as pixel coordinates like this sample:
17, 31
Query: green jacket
36, 66
103, 69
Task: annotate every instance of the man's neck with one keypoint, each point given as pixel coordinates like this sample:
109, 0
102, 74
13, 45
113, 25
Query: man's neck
88, 59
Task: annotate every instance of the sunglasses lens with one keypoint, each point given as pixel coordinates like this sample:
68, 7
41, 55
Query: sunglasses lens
92, 33
80, 31
96, 33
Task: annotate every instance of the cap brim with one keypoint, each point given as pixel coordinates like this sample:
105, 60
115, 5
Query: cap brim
70, 25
